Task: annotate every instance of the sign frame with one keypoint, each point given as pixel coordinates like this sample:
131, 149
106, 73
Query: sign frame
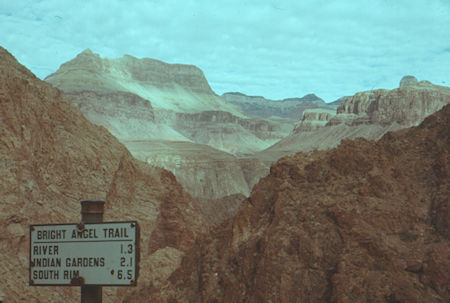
80, 281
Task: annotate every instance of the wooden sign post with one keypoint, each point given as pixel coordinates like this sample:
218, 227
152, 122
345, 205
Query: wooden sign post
91, 212
89, 254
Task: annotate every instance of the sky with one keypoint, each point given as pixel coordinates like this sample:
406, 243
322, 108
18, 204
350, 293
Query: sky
272, 48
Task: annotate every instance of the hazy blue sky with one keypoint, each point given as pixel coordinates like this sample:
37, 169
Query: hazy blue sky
277, 49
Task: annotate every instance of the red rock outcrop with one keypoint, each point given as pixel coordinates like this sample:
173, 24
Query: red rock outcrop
51, 157
364, 222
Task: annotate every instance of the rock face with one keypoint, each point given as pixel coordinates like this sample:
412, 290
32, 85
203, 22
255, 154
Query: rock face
141, 101
407, 105
168, 86
367, 114
364, 222
219, 129
203, 171
174, 93
51, 157
313, 119
291, 108
407, 80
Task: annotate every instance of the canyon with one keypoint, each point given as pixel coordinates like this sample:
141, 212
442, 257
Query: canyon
220, 146
363, 222
369, 114
236, 200
148, 104
51, 158
291, 108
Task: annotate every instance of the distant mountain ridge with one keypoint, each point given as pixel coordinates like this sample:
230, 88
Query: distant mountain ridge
368, 114
150, 105
177, 87
291, 108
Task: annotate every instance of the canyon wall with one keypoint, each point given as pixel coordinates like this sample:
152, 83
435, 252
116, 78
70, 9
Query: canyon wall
144, 102
368, 114
364, 222
291, 108
51, 157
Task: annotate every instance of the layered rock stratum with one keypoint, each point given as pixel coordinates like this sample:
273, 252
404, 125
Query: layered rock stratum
368, 114
407, 105
51, 157
144, 102
291, 108
313, 119
176, 94
364, 222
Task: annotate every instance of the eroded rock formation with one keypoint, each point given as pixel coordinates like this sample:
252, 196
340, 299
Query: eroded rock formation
51, 157
407, 105
368, 114
144, 102
364, 222
202, 170
313, 119
291, 108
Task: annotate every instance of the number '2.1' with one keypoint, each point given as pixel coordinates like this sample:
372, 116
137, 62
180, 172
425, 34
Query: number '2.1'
124, 263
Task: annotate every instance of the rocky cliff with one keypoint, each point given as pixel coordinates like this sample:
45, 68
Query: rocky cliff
407, 105
51, 157
364, 222
313, 119
203, 171
168, 86
227, 132
291, 108
368, 114
141, 101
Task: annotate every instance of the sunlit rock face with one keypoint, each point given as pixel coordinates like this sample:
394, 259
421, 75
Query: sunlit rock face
364, 222
291, 108
51, 157
313, 119
174, 92
368, 114
144, 100
151, 92
407, 105
177, 87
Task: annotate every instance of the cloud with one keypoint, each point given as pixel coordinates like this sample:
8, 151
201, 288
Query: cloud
273, 48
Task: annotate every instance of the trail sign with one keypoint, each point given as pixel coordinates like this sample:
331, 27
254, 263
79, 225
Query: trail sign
105, 254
